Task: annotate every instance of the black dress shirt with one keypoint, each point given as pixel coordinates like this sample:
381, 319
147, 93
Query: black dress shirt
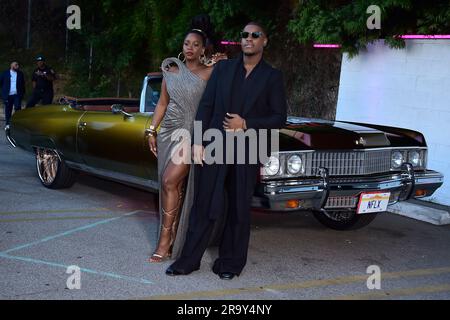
241, 87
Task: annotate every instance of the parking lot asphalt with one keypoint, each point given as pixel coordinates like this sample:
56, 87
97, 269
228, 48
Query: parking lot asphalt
108, 231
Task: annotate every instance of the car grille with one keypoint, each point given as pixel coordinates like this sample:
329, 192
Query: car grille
349, 163
341, 202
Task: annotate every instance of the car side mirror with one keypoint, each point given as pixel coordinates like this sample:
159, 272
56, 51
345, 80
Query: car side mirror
118, 108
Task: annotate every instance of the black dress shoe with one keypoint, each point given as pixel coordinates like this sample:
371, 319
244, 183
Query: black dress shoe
226, 275
174, 272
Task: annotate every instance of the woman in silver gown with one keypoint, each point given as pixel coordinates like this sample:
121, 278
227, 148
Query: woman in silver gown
182, 88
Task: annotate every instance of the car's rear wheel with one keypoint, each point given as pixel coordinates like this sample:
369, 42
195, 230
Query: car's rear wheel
52, 170
344, 220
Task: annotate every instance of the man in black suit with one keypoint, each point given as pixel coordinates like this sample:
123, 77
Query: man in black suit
12, 83
242, 94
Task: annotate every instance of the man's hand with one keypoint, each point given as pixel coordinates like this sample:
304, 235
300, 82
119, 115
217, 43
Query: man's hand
219, 56
198, 154
50, 76
233, 122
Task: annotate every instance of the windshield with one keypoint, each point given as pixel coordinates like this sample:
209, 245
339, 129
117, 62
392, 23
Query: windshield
152, 94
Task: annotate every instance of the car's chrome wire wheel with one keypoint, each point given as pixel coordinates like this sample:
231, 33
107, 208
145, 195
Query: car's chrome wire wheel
47, 162
339, 215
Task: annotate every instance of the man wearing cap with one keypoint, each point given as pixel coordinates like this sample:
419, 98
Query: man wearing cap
12, 84
43, 77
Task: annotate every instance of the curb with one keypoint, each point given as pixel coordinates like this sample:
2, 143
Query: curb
421, 212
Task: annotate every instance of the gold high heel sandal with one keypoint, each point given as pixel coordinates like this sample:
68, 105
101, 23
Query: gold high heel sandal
175, 214
156, 257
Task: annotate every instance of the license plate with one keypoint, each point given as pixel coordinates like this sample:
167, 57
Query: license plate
373, 202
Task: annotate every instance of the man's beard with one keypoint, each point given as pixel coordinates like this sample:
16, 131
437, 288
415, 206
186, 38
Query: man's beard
249, 54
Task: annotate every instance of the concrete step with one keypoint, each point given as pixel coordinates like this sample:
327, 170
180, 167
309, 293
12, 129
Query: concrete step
421, 211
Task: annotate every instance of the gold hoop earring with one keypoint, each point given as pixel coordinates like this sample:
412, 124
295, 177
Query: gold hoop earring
184, 58
203, 59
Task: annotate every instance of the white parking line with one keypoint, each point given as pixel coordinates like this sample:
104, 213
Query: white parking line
91, 271
6, 255
66, 233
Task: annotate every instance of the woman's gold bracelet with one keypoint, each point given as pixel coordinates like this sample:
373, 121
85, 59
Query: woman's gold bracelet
152, 133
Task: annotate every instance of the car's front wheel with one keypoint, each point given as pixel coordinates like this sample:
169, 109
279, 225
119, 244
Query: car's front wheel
52, 170
344, 220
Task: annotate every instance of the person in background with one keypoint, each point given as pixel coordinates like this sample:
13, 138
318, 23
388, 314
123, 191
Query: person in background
43, 77
12, 83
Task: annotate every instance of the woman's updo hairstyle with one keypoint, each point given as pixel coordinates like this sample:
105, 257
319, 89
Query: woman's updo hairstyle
201, 25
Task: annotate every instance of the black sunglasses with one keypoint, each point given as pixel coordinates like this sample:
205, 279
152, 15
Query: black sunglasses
255, 35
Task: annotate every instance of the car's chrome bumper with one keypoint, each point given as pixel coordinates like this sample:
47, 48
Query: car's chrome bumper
342, 193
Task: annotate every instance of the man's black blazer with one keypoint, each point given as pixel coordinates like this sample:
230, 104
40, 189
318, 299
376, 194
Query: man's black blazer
265, 106
5, 84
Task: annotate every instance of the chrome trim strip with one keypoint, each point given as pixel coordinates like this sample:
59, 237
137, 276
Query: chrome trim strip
143, 93
383, 182
410, 181
346, 150
325, 175
8, 137
420, 181
150, 185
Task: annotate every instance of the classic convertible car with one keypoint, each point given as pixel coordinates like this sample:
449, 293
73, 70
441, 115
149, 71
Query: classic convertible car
344, 172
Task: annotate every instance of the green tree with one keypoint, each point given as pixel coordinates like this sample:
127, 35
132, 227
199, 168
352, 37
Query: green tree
344, 22
118, 34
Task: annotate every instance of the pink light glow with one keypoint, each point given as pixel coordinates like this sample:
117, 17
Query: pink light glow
425, 36
405, 36
319, 45
229, 42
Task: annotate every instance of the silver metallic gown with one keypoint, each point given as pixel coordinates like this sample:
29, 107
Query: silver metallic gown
185, 90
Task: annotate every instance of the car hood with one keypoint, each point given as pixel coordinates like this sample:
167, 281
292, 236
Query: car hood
306, 133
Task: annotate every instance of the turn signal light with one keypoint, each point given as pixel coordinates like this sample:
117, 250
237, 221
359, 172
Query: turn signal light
292, 204
421, 193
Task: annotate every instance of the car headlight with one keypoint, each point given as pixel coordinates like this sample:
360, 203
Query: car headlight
414, 158
396, 159
272, 167
295, 164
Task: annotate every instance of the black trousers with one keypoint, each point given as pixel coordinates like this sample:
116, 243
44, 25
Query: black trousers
239, 185
12, 101
45, 96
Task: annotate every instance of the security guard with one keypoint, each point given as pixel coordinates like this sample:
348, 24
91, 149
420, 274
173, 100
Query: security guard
43, 77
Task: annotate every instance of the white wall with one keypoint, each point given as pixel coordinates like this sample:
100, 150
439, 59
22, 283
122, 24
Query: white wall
407, 88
